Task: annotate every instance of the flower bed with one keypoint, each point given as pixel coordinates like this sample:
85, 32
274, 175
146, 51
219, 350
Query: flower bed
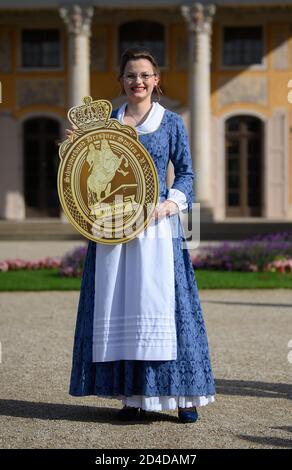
17, 264
280, 266
71, 265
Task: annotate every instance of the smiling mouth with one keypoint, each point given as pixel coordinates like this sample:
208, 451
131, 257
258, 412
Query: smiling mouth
138, 88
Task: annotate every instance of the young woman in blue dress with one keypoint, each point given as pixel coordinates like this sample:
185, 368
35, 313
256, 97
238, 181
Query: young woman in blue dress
140, 334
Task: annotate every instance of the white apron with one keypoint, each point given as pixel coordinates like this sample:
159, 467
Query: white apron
134, 305
149, 284
135, 299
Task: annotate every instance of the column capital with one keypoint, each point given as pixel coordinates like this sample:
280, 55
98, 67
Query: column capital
198, 17
77, 18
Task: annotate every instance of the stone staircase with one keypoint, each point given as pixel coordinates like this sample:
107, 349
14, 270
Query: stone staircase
38, 229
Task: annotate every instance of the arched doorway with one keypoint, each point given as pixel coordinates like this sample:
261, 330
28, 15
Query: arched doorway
244, 166
40, 138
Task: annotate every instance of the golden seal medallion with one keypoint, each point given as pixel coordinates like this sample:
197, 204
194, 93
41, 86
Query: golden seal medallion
107, 181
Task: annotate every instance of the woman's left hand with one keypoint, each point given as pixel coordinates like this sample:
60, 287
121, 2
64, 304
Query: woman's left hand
165, 208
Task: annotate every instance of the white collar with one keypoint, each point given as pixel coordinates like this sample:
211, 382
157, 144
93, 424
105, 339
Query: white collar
151, 123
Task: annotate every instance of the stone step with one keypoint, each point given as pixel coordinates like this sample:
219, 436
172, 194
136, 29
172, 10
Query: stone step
37, 229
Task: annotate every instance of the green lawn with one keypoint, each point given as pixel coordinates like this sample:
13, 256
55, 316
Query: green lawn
48, 279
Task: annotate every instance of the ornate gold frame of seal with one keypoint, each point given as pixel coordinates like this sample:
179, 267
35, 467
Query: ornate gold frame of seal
107, 182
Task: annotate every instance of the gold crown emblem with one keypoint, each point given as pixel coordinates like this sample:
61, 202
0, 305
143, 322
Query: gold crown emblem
90, 114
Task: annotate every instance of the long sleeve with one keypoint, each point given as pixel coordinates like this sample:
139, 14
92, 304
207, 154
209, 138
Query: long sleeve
180, 156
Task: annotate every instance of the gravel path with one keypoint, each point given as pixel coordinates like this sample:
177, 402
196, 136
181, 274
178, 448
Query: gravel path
248, 335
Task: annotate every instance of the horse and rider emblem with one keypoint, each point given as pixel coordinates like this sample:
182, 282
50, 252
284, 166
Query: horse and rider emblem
107, 181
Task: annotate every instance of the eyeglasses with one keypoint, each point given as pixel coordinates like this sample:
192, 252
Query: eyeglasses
130, 77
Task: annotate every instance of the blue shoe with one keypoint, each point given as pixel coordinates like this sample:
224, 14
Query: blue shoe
187, 416
131, 414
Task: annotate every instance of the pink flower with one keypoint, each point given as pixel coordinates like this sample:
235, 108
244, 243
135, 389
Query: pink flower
68, 271
280, 266
4, 266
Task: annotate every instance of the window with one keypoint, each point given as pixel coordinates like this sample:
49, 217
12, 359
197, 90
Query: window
244, 177
40, 48
147, 34
243, 46
41, 160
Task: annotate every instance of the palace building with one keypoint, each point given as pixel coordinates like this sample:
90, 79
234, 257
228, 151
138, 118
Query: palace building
226, 67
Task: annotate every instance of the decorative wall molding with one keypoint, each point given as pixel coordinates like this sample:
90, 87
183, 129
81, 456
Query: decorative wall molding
98, 50
5, 51
244, 89
277, 163
280, 47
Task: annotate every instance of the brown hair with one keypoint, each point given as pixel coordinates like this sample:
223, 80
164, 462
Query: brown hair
136, 53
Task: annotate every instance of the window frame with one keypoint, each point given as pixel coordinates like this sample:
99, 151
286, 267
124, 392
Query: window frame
116, 58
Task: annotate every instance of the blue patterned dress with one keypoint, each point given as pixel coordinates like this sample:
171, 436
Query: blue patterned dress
157, 385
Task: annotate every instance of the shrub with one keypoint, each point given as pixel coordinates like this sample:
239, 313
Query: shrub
252, 254
73, 262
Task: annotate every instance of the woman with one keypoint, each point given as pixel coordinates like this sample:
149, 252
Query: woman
140, 334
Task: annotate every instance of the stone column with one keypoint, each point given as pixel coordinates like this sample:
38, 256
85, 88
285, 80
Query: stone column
78, 21
199, 23
12, 206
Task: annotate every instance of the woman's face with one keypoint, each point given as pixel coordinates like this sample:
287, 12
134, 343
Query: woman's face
138, 80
